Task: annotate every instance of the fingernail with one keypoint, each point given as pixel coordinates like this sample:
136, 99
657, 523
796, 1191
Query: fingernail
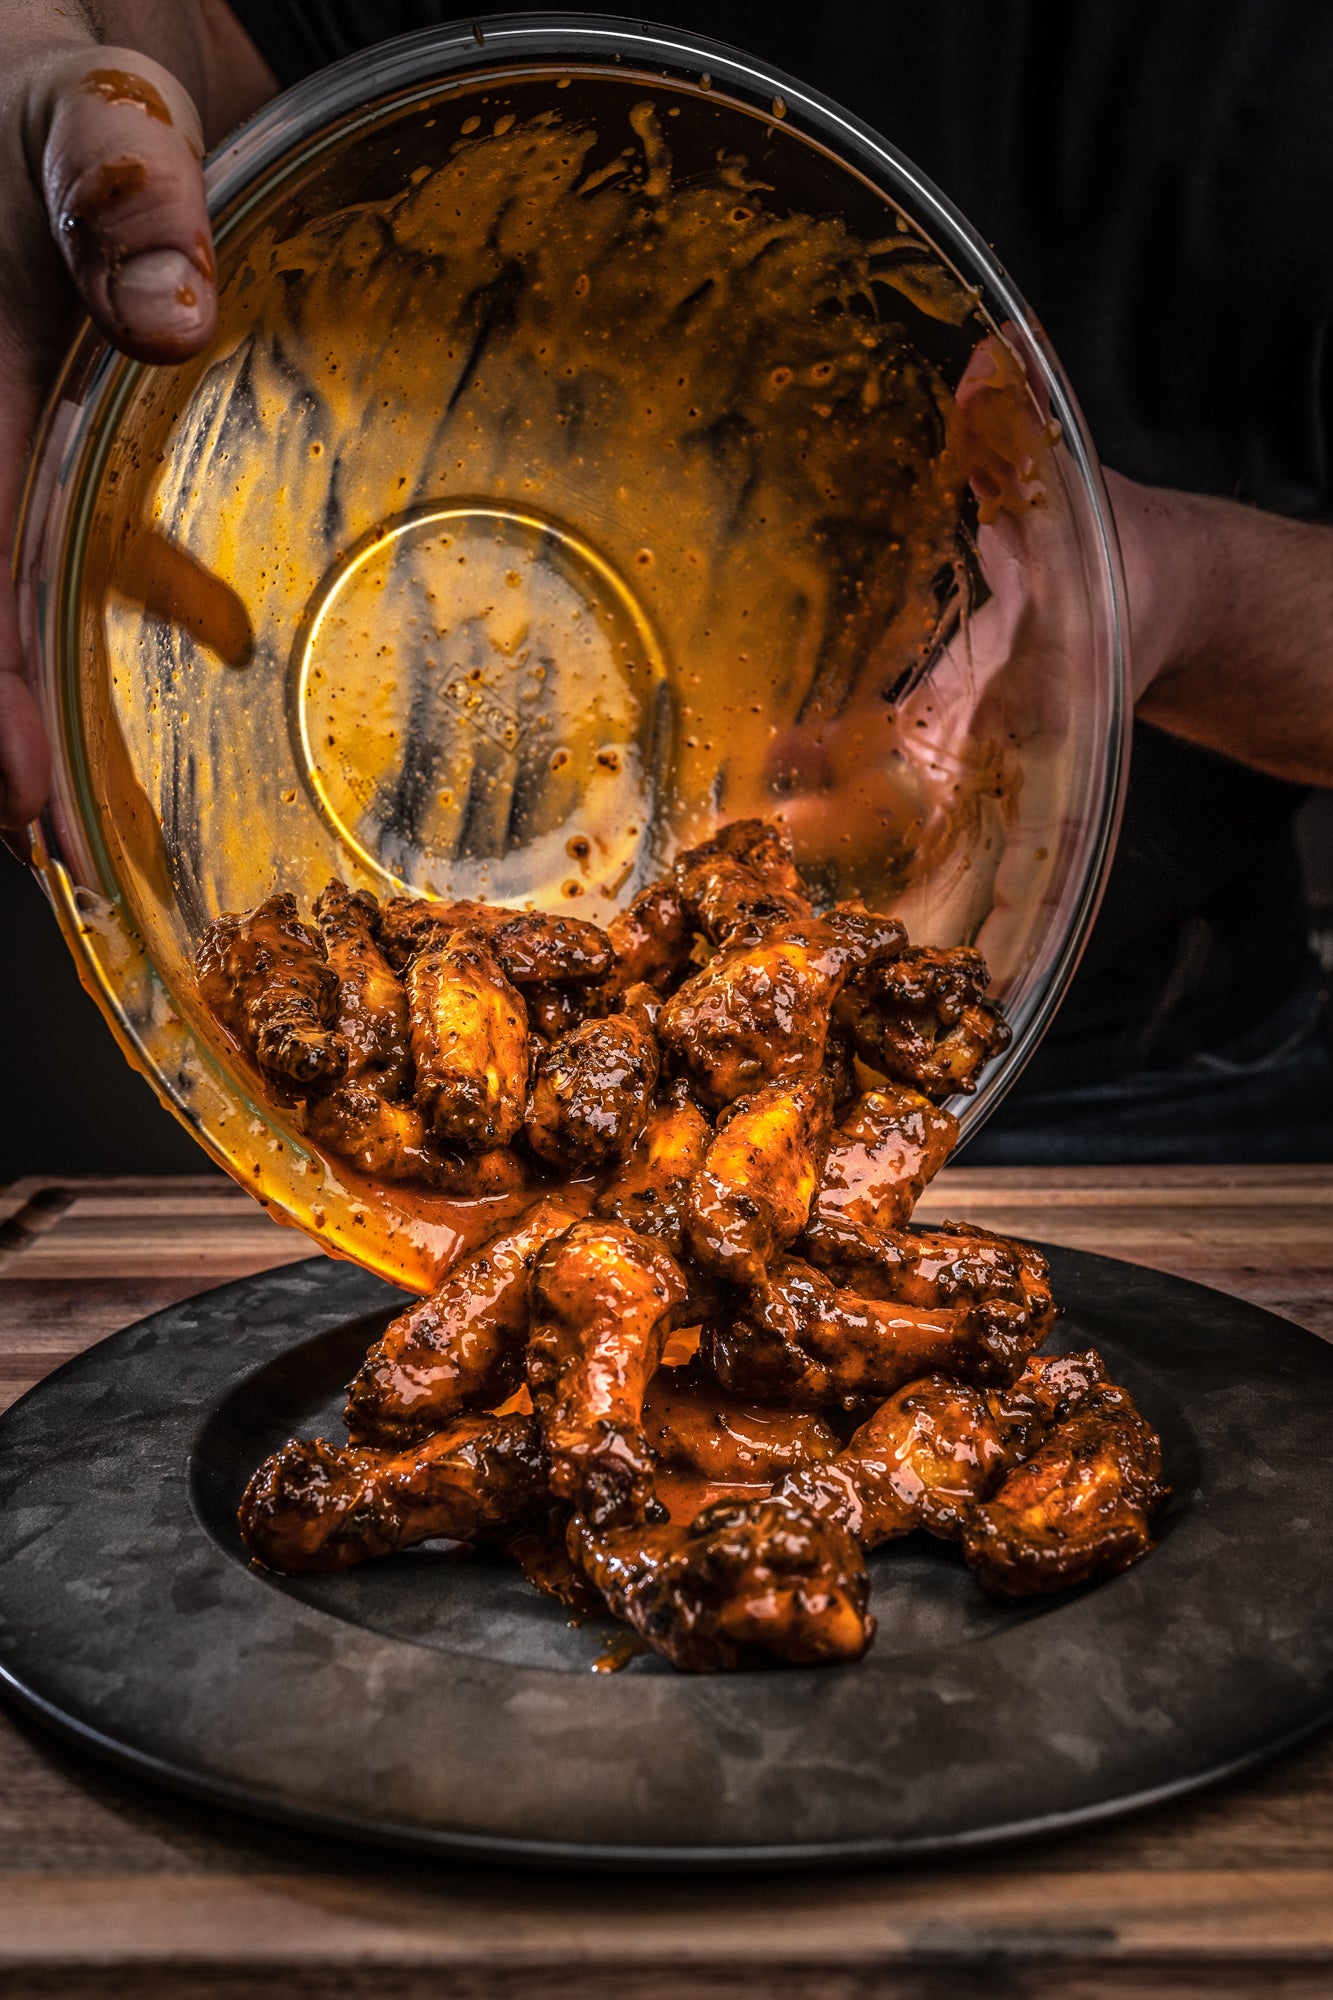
159, 296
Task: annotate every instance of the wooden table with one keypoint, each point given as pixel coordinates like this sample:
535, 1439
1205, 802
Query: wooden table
108, 1886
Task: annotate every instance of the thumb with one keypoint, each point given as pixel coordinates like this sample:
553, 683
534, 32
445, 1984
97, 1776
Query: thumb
121, 145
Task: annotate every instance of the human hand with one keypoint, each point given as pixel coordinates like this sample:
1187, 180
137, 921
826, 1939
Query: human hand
101, 207
962, 780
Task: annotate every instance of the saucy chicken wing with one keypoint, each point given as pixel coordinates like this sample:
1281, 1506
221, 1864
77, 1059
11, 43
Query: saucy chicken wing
751, 1197
650, 942
923, 1460
1051, 1388
591, 1090
372, 1005
267, 977
463, 1346
883, 1153
320, 1506
648, 1191
387, 1141
747, 1584
741, 881
531, 948
470, 1045
955, 1264
1080, 1507
390, 1143
799, 1340
540, 950
758, 1013
920, 1018
603, 1298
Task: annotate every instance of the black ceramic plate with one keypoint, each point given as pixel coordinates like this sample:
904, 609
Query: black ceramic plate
437, 1701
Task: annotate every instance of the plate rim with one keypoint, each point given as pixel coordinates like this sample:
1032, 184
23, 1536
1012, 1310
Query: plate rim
243, 1798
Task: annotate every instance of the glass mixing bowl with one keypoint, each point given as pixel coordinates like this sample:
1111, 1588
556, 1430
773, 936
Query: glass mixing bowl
603, 437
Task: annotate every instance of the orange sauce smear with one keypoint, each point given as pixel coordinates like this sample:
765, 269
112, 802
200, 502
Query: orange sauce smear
120, 86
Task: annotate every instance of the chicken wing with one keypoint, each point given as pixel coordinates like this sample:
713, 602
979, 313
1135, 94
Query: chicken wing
1079, 1508
648, 1191
387, 1141
372, 1006
540, 950
267, 978
923, 1460
741, 881
755, 1014
591, 1091
751, 1197
1051, 1388
953, 1265
759, 1013
602, 1304
320, 1506
531, 948
650, 941
748, 1584
470, 1045
463, 1346
884, 1151
921, 1020
800, 1341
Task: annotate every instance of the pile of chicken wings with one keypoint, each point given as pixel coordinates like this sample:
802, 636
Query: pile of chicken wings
718, 1113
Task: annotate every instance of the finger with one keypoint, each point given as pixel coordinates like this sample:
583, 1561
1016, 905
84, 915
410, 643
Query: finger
125, 196
24, 759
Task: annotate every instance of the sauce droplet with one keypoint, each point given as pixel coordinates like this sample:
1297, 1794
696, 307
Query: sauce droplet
619, 1654
118, 86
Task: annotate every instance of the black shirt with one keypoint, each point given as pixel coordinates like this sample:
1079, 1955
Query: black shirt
1158, 178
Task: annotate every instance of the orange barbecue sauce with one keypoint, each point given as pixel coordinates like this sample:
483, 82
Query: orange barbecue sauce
713, 1446
119, 86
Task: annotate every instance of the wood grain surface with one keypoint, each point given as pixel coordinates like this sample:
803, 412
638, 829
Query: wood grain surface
109, 1886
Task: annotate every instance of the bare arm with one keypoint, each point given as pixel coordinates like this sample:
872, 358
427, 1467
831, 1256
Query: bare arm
1231, 615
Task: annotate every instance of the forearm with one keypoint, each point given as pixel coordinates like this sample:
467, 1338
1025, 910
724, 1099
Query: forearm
1231, 616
